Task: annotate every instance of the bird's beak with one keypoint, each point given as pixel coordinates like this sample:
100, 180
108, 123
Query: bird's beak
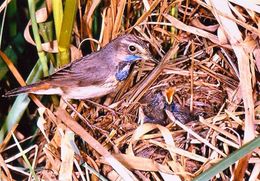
168, 94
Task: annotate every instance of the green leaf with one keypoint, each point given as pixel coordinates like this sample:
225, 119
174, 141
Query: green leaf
21, 103
66, 30
3, 67
230, 160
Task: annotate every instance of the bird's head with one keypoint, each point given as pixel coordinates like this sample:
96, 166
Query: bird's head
130, 48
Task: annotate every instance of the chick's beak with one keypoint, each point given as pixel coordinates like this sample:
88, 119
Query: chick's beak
168, 94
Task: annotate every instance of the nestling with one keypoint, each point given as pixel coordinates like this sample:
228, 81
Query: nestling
154, 104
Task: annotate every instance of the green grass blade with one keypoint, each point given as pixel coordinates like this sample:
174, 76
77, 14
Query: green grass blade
67, 27
11, 18
12, 56
228, 161
58, 16
22, 101
37, 39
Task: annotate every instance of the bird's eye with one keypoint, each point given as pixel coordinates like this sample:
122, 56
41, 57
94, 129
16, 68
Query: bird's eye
132, 48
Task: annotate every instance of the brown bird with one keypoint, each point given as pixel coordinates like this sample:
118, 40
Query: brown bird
154, 104
94, 75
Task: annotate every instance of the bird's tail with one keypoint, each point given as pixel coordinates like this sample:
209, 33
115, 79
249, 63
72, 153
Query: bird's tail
32, 88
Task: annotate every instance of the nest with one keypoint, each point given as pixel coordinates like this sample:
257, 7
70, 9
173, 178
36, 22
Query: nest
206, 70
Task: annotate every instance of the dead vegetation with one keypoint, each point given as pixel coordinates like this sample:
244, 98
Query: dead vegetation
209, 54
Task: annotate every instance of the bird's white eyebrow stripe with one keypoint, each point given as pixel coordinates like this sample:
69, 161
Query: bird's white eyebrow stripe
133, 43
130, 42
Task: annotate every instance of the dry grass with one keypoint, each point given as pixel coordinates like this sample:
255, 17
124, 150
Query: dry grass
209, 54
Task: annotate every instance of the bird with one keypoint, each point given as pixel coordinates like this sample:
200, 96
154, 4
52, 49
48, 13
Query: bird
94, 75
155, 102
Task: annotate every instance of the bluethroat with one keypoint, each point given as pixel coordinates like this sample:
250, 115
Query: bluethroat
94, 75
155, 102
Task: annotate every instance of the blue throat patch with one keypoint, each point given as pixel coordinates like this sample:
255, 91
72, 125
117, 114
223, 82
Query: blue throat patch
174, 108
132, 58
122, 75
123, 72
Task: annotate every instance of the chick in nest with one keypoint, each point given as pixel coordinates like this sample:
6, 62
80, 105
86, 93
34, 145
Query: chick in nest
154, 104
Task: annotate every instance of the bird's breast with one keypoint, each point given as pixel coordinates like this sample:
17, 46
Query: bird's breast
91, 91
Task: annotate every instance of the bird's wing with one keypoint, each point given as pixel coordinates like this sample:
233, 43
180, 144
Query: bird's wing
82, 73
77, 74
